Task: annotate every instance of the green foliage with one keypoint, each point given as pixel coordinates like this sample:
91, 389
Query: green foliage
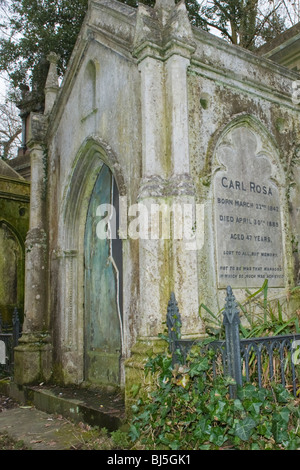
120, 439
244, 22
33, 28
188, 411
8, 443
260, 316
37, 28
266, 317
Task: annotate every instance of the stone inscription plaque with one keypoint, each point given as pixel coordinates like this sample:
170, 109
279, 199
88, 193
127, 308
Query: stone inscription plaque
247, 215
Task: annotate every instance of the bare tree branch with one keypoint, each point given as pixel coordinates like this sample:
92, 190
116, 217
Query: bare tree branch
10, 130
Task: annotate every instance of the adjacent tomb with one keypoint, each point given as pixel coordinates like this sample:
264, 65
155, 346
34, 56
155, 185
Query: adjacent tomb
14, 223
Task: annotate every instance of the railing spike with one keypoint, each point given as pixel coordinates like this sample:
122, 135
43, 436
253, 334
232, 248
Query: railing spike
173, 318
235, 347
231, 321
173, 325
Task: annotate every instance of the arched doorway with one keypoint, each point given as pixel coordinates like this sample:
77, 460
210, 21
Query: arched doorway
103, 283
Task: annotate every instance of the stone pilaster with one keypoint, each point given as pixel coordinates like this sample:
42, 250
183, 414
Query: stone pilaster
33, 354
163, 47
183, 250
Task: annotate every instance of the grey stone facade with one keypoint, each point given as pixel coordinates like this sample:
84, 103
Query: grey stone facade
181, 119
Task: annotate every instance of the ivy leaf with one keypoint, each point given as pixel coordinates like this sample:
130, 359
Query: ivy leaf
255, 446
238, 405
175, 445
220, 410
283, 395
264, 429
229, 381
200, 366
202, 429
217, 436
247, 392
134, 433
244, 428
205, 447
284, 413
279, 429
255, 408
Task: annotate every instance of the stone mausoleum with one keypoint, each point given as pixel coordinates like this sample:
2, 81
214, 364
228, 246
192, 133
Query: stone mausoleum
14, 223
166, 161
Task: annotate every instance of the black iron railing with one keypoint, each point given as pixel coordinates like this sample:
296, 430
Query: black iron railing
9, 338
260, 360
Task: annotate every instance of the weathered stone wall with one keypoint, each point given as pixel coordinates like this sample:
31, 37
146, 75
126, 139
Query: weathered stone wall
131, 116
97, 120
229, 88
158, 102
14, 222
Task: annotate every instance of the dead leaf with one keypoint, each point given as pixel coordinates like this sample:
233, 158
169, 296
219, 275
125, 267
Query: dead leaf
52, 443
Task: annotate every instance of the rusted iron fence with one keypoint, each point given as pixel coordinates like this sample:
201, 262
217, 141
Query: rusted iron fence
257, 360
9, 338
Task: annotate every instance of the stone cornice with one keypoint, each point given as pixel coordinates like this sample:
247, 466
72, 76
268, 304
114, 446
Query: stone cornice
203, 38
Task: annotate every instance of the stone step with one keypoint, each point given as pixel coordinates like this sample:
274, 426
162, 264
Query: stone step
103, 407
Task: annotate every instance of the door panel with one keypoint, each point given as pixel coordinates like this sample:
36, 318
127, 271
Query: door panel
102, 291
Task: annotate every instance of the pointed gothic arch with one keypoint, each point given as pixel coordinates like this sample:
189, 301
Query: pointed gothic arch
93, 157
11, 270
246, 169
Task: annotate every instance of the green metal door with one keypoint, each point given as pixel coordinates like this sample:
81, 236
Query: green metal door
103, 287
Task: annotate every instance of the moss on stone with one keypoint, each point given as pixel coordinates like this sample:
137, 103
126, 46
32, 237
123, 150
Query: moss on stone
14, 220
